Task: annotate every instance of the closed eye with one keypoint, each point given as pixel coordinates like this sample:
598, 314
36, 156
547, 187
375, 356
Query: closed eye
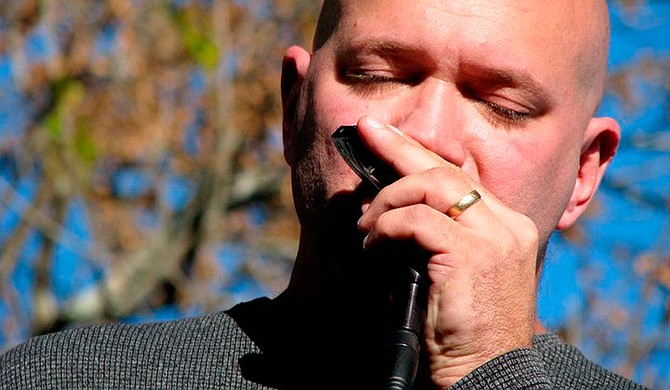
362, 77
369, 82
507, 114
498, 110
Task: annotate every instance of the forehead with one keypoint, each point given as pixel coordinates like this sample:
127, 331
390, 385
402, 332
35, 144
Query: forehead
513, 14
535, 24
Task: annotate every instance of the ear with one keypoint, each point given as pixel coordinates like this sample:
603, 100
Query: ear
294, 70
601, 140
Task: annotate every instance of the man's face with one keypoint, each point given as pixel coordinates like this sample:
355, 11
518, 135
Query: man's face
501, 89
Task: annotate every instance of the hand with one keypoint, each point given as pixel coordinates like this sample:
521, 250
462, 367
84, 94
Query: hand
482, 266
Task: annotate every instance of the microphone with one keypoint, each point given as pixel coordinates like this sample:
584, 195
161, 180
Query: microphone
404, 342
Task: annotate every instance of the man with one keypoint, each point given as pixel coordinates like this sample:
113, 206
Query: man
493, 96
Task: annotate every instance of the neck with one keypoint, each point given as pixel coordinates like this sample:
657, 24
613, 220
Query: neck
339, 276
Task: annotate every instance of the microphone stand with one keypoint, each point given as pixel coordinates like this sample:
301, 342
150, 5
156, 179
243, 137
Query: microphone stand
404, 342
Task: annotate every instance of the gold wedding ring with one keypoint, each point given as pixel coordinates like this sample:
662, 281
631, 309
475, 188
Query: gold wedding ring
468, 200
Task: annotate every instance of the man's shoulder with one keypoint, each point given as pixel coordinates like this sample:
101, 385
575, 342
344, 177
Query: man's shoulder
550, 364
105, 338
200, 350
568, 368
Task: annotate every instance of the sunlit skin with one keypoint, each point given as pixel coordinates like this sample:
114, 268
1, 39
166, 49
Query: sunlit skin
455, 96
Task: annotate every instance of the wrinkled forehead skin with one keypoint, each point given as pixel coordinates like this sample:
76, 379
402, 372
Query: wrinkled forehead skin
563, 43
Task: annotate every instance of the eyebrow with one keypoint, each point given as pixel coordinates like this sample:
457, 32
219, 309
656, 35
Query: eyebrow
389, 49
514, 78
493, 76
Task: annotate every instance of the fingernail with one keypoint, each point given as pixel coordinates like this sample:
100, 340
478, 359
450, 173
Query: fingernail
374, 122
365, 241
395, 130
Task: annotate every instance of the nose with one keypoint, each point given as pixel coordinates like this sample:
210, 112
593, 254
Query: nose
430, 115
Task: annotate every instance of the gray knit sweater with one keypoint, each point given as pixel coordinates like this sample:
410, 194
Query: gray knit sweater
211, 352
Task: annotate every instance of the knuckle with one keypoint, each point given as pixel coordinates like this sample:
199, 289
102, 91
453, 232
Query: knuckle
438, 174
527, 241
528, 232
520, 241
381, 222
416, 215
402, 223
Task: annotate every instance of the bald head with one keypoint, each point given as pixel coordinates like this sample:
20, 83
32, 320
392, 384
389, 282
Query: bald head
595, 40
331, 12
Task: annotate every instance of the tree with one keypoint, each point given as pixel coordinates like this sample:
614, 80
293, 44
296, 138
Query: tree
126, 103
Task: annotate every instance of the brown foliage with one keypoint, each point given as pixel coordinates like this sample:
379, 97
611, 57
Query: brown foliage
167, 90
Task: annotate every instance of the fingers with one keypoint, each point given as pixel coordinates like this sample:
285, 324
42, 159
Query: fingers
438, 188
445, 183
431, 230
404, 154
414, 208
408, 157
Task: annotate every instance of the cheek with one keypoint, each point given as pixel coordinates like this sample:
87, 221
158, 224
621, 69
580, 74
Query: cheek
335, 104
325, 107
533, 177
332, 104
